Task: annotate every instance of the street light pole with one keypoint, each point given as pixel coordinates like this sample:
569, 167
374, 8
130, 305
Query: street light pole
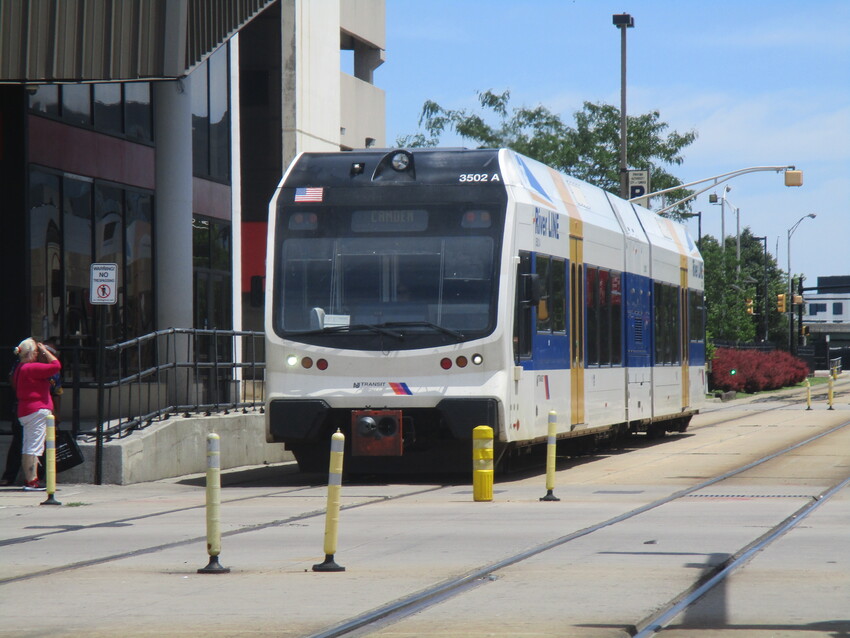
793, 177
765, 305
791, 341
623, 21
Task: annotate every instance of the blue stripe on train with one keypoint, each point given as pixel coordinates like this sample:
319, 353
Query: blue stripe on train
552, 351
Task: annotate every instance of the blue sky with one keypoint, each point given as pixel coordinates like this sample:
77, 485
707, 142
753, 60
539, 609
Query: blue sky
763, 83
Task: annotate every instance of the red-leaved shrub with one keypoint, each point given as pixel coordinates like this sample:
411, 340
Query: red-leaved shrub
755, 370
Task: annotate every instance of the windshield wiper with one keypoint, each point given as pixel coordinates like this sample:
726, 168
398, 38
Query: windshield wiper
354, 327
427, 324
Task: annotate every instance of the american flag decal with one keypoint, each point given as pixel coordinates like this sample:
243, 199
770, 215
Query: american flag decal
309, 194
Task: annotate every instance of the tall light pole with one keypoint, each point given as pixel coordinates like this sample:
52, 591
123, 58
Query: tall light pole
713, 200
623, 21
790, 298
793, 177
765, 305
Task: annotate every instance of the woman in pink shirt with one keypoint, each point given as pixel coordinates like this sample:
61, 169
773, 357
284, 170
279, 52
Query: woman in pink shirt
31, 381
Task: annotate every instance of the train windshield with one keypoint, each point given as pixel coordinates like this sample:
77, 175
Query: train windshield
387, 278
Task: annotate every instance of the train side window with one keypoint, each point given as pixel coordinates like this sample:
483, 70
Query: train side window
616, 318
591, 299
696, 315
604, 317
544, 308
667, 324
558, 295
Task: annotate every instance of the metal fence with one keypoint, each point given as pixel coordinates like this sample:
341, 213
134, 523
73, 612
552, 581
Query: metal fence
179, 371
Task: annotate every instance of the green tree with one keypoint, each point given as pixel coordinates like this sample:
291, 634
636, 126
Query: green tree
589, 150
729, 284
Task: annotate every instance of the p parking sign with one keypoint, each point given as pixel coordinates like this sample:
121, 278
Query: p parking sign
103, 284
639, 186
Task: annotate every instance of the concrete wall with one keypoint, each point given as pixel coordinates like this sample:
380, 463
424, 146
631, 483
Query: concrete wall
363, 113
366, 19
178, 447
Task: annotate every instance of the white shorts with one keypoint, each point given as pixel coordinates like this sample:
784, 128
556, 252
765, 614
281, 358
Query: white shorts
35, 431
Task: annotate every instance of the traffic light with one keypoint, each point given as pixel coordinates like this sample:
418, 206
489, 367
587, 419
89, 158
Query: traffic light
750, 309
780, 302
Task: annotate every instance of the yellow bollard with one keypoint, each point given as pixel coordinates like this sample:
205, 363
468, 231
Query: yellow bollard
332, 514
808, 394
829, 392
551, 458
50, 462
482, 463
213, 506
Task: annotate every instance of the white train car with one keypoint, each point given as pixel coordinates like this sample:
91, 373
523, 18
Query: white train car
412, 295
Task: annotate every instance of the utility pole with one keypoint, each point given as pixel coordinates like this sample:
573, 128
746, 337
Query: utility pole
623, 21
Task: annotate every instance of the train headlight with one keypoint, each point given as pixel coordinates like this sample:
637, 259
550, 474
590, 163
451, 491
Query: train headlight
400, 162
477, 359
291, 360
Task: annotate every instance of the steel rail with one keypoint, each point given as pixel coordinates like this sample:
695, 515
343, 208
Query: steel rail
407, 605
657, 622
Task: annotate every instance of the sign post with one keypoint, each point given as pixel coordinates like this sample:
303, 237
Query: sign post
103, 292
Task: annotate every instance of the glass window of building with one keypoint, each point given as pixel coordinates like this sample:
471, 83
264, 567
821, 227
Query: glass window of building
45, 245
212, 257
77, 257
219, 120
74, 222
211, 118
139, 263
44, 99
107, 108
200, 121
109, 248
138, 113
76, 104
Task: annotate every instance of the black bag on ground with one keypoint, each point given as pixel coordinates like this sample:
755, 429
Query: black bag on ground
68, 453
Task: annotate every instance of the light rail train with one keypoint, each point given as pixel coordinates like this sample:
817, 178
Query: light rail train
414, 294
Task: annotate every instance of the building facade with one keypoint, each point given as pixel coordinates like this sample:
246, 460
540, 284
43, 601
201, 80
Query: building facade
825, 321
151, 134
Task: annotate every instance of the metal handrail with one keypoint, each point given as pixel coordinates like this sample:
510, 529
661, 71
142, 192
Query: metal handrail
146, 379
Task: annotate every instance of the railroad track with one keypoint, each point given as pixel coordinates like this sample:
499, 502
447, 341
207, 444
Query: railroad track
397, 610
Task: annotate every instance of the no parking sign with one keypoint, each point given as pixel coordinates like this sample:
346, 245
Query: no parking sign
103, 288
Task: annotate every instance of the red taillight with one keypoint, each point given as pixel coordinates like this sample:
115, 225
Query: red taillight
445, 363
321, 364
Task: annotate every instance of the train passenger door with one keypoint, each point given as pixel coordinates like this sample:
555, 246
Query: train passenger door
684, 336
576, 330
